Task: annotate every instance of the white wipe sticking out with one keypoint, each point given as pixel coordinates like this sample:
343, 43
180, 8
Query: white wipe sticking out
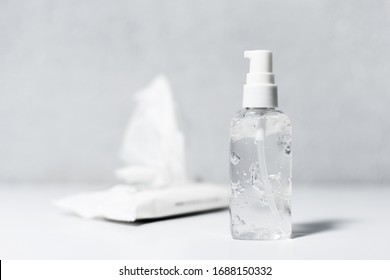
153, 146
153, 182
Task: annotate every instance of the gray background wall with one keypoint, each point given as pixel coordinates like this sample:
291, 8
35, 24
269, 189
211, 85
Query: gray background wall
68, 71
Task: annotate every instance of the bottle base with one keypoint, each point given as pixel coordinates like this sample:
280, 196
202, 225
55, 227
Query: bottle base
261, 236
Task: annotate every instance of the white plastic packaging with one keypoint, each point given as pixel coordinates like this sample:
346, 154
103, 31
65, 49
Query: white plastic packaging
126, 203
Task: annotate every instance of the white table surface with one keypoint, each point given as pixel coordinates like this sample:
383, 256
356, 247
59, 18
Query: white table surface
330, 222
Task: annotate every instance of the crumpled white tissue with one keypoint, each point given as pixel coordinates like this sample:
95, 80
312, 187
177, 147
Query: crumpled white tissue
153, 146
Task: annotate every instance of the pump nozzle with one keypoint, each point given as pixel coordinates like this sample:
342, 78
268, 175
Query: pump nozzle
260, 90
260, 61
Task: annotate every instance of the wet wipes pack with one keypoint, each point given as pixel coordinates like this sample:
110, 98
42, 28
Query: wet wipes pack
153, 181
129, 204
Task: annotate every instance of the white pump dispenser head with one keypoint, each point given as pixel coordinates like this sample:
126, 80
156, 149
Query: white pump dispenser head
260, 90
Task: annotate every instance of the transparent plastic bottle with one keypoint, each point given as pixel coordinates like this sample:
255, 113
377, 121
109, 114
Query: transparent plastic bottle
260, 161
260, 173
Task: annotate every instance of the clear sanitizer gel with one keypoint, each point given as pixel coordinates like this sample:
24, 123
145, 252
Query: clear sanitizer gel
260, 158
